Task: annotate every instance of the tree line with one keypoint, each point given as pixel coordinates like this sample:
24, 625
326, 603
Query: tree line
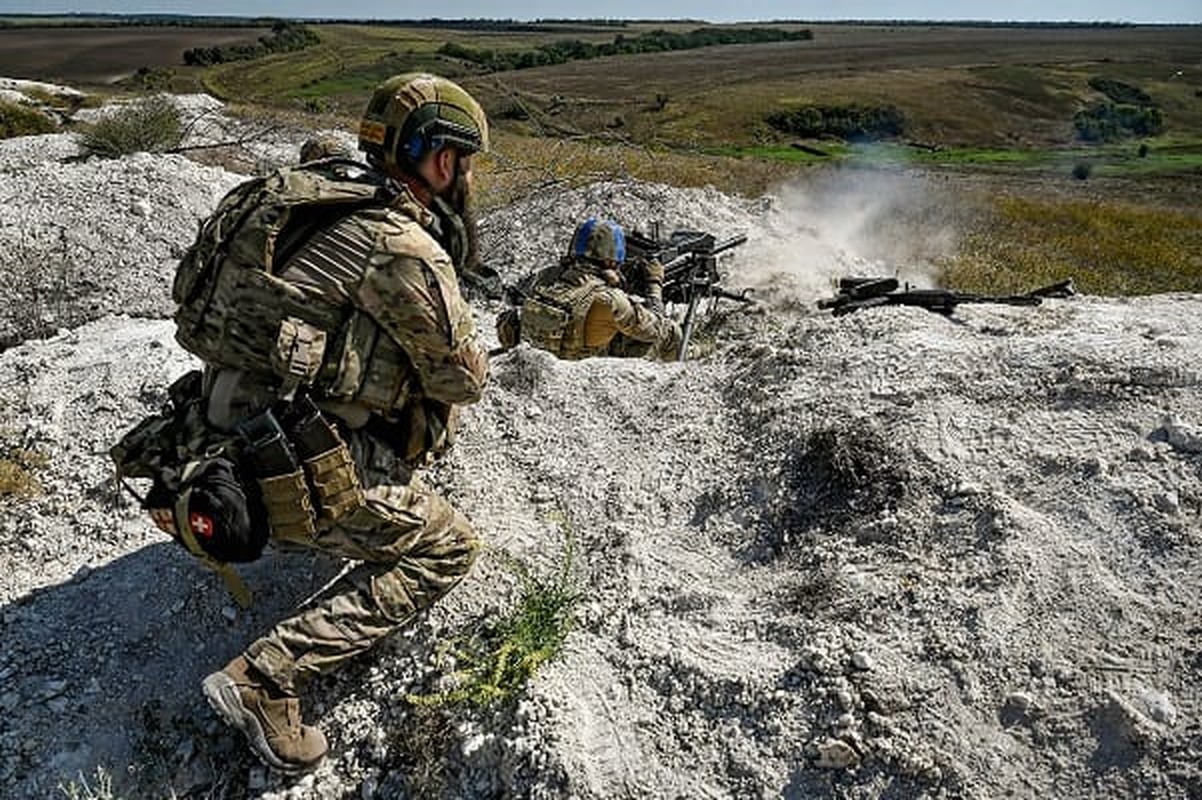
285, 37
656, 41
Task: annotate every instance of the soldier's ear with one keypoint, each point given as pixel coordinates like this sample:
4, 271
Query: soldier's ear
444, 165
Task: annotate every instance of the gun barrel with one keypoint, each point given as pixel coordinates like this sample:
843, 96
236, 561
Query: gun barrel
727, 244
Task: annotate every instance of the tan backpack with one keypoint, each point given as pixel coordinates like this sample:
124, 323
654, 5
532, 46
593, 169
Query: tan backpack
232, 311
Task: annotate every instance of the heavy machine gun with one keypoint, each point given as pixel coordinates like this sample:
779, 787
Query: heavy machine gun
690, 261
856, 293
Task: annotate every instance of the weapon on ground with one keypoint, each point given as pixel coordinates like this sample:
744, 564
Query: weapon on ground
690, 261
856, 293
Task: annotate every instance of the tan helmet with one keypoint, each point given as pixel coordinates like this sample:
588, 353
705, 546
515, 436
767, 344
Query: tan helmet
414, 114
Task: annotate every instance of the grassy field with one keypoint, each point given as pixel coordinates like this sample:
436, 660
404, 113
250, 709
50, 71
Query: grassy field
991, 108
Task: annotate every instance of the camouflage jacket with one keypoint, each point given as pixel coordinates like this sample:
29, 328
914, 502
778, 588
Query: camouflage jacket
574, 313
408, 351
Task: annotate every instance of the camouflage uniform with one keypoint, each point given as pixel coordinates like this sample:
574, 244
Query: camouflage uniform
414, 546
574, 312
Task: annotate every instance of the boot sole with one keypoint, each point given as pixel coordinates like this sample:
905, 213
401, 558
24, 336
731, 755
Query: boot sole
222, 694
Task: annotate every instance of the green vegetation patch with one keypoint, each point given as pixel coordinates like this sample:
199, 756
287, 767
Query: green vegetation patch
18, 119
150, 125
1108, 122
656, 41
1122, 93
494, 663
1108, 248
853, 123
286, 37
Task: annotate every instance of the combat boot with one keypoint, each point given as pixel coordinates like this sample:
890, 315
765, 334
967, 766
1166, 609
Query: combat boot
270, 718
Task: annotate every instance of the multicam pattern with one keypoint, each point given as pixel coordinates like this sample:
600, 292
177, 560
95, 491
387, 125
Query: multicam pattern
579, 315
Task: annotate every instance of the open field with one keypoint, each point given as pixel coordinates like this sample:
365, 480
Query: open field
102, 55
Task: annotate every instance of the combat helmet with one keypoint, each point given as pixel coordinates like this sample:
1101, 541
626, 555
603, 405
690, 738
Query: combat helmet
413, 114
599, 241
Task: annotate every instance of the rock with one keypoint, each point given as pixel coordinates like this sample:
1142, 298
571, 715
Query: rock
1181, 437
1158, 706
1167, 502
836, 754
861, 660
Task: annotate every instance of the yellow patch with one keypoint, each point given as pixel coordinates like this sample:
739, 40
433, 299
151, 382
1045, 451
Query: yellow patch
370, 131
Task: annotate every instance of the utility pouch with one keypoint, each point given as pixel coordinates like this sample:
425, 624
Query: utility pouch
327, 461
280, 478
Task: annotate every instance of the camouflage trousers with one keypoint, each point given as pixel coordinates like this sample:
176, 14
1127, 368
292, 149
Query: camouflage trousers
414, 547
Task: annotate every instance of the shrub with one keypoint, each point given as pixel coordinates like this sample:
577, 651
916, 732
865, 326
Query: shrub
151, 125
1143, 150
18, 119
1081, 170
1122, 93
851, 122
1105, 122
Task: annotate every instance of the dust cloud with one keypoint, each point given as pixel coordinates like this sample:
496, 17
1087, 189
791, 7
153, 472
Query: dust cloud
847, 222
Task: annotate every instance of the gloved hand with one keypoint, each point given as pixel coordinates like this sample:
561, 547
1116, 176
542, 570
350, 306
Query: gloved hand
654, 272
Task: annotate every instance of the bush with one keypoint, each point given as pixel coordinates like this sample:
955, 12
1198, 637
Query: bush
1122, 93
18, 119
151, 125
852, 122
1081, 170
1106, 122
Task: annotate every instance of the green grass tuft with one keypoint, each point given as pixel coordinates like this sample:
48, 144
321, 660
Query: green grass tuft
17, 119
496, 662
150, 125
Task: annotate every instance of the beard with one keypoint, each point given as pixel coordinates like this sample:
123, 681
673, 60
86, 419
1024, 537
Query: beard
459, 198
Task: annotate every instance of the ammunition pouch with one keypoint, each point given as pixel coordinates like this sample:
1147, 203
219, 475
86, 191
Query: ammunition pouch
279, 477
327, 461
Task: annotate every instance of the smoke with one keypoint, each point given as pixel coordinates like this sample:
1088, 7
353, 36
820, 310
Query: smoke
847, 222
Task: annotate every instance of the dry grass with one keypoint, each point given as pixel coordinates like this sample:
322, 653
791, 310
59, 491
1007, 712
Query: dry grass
1107, 247
520, 165
18, 471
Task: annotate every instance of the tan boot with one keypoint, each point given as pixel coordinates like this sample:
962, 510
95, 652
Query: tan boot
270, 719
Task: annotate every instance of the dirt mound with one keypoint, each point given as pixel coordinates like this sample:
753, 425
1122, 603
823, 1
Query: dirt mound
885, 554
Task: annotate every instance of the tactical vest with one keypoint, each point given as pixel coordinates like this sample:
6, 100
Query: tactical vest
553, 316
234, 311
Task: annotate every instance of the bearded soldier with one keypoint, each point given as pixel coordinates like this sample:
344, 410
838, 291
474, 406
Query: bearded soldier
581, 308
324, 302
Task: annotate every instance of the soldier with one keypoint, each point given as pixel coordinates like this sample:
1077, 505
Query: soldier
362, 314
579, 308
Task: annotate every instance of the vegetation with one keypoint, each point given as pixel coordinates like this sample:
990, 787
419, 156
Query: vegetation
1108, 122
150, 125
853, 123
286, 37
18, 471
1119, 92
656, 41
1107, 247
18, 119
80, 789
496, 662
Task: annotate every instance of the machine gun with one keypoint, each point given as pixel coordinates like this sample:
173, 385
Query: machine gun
690, 261
856, 293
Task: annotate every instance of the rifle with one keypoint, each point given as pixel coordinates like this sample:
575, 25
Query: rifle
856, 293
690, 261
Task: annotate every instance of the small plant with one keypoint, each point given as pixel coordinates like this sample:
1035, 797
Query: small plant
1081, 170
496, 662
18, 119
18, 468
82, 790
150, 125
1143, 150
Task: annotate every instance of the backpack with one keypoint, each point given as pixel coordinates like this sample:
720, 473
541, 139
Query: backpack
232, 310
